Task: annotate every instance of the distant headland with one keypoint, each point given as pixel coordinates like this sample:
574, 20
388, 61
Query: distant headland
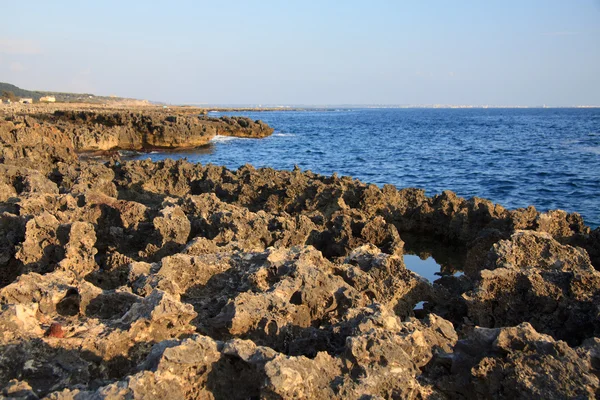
10, 93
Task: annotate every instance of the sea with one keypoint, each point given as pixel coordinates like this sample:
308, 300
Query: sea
548, 158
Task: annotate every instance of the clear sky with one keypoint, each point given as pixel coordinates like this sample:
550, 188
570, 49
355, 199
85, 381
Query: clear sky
526, 52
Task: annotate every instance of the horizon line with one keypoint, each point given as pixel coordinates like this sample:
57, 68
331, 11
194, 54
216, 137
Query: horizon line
371, 105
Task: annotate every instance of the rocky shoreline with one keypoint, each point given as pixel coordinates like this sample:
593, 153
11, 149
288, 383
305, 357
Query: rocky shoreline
175, 280
101, 130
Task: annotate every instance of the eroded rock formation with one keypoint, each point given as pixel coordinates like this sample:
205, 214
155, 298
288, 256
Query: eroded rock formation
104, 130
127, 280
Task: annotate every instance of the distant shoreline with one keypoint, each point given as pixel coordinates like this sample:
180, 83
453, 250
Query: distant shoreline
135, 105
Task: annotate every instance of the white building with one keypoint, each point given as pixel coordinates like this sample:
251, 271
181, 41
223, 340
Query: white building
47, 99
26, 101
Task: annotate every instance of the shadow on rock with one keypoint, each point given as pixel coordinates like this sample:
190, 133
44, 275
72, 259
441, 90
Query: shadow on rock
48, 367
233, 378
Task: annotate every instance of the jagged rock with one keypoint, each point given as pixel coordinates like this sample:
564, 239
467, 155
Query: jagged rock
385, 279
561, 224
375, 363
527, 249
16, 181
56, 293
96, 130
18, 390
44, 367
148, 183
291, 292
239, 126
386, 362
18, 321
7, 191
346, 232
533, 278
49, 245
157, 317
301, 377
516, 363
589, 351
43, 245
173, 225
592, 245
180, 273
84, 178
144, 385
80, 250
12, 232
225, 224
25, 143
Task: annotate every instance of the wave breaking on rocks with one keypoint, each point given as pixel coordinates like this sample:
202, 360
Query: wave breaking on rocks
168, 279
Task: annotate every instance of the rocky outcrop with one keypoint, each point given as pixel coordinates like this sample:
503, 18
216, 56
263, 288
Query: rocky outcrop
67, 131
26, 143
174, 280
96, 131
533, 278
516, 363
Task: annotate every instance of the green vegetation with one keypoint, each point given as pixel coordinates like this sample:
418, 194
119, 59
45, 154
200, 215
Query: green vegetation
7, 89
8, 95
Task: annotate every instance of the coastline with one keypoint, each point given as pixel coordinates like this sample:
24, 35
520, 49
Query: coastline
96, 130
148, 271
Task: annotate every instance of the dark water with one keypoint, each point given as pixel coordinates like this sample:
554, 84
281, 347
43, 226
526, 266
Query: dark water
549, 158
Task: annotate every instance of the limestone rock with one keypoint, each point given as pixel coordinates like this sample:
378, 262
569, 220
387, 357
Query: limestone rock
519, 363
173, 225
533, 278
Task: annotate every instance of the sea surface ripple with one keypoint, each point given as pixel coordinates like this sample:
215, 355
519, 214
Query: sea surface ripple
549, 158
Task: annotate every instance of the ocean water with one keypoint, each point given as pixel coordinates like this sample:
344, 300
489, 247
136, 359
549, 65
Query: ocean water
549, 158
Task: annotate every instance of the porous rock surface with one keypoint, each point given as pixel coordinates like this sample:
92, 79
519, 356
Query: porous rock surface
102, 130
123, 280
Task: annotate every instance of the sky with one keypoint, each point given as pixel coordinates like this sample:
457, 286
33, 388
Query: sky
474, 52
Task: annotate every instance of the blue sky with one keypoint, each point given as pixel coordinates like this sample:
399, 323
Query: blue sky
311, 52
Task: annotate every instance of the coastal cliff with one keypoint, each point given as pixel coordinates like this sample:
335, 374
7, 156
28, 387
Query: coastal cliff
93, 130
177, 280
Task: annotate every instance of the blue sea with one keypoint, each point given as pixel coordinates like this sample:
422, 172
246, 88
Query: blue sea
549, 158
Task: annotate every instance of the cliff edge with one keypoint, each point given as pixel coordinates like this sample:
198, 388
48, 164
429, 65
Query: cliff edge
93, 130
